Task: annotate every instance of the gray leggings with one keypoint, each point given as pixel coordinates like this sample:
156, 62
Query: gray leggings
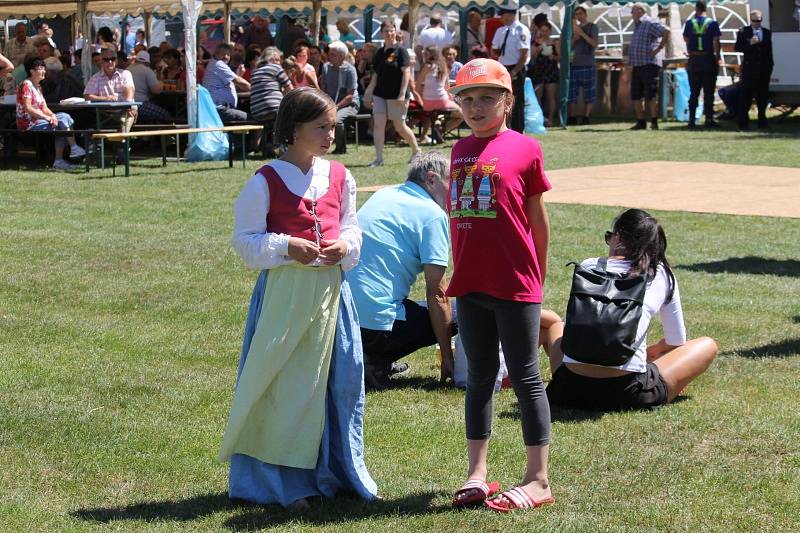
482, 320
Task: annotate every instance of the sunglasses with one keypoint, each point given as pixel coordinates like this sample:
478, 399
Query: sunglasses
755, 20
608, 236
109, 59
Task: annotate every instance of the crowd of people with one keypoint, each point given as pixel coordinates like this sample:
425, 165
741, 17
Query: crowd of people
401, 87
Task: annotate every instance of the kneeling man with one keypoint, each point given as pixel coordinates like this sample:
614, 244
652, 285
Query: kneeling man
405, 231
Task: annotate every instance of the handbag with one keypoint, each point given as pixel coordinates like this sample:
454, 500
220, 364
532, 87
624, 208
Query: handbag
603, 315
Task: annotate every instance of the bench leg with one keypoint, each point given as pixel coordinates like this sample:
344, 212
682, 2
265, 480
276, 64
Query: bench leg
356, 125
163, 150
102, 154
230, 150
86, 144
244, 149
178, 147
126, 145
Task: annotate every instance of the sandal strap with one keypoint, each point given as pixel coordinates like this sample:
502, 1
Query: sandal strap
519, 498
475, 484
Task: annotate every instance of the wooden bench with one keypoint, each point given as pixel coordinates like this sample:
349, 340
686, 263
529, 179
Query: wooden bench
354, 120
126, 137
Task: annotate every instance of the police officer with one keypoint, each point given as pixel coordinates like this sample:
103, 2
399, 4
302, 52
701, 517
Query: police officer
510, 46
702, 42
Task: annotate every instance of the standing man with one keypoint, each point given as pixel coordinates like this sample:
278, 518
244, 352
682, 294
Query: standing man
510, 46
434, 35
339, 80
649, 38
755, 43
475, 33
701, 35
222, 82
20, 46
405, 233
582, 71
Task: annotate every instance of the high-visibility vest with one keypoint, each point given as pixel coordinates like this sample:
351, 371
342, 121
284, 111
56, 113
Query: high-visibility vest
700, 30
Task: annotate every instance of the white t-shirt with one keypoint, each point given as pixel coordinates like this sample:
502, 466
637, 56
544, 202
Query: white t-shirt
435, 36
670, 313
261, 249
518, 39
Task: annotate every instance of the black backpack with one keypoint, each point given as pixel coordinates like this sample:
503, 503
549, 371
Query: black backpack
603, 315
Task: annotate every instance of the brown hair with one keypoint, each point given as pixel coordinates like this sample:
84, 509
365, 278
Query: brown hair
434, 58
299, 106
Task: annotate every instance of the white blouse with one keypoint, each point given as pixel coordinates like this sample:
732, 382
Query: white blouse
261, 249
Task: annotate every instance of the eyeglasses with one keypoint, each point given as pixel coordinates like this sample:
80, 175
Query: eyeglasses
109, 59
608, 236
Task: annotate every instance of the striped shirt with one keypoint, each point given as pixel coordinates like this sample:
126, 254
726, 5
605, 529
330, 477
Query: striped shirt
218, 79
266, 83
646, 38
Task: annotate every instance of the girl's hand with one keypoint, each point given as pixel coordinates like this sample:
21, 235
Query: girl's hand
303, 251
333, 251
53, 120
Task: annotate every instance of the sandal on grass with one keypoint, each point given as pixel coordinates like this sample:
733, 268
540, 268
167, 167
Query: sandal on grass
516, 499
480, 491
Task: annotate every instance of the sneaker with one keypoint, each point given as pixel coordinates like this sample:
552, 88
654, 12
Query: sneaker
60, 164
691, 125
712, 125
398, 369
376, 163
640, 125
76, 152
375, 378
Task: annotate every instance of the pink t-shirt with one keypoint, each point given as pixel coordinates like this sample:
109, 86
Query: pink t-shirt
490, 180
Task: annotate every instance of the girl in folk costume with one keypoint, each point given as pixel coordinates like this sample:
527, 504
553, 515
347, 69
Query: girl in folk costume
295, 428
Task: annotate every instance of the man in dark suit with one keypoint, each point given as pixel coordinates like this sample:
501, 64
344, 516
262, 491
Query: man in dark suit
755, 43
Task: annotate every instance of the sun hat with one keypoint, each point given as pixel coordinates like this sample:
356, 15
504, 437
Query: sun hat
482, 72
143, 57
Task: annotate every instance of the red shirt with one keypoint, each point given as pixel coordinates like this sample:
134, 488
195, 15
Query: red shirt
492, 25
493, 251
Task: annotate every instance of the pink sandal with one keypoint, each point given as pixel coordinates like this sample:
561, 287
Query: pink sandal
516, 499
476, 499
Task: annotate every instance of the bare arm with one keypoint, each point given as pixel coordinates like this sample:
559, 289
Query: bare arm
241, 83
5, 64
440, 314
580, 34
404, 83
540, 228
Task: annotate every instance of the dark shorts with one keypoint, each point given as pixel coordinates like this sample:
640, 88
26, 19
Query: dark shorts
632, 391
382, 348
644, 82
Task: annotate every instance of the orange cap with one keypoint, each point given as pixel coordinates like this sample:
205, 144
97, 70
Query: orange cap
482, 72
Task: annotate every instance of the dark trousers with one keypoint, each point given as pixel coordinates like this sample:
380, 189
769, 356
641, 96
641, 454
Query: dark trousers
340, 134
482, 321
517, 119
758, 87
230, 114
703, 71
382, 348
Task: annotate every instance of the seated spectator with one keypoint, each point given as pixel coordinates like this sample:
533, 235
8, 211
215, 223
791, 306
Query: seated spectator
59, 83
339, 82
315, 59
543, 69
43, 48
250, 62
105, 39
123, 60
655, 374
222, 83
164, 46
155, 57
172, 74
433, 81
345, 34
34, 115
405, 232
146, 85
450, 54
269, 83
299, 76
140, 38
364, 65
237, 56
301, 56
21, 46
113, 85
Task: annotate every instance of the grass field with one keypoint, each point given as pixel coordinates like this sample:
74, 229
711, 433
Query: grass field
121, 314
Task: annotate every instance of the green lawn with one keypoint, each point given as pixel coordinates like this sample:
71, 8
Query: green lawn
121, 314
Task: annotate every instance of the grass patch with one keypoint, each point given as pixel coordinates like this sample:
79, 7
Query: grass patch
121, 320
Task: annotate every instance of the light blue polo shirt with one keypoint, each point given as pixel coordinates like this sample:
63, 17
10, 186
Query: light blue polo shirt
404, 229
218, 79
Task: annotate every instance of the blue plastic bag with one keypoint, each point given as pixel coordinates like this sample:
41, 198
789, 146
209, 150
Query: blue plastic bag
208, 145
682, 92
534, 118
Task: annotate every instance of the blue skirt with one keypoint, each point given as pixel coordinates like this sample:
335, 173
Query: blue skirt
340, 467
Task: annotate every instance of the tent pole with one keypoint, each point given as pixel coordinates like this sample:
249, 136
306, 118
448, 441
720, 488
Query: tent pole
148, 31
413, 16
85, 21
226, 24
316, 20
190, 10
566, 52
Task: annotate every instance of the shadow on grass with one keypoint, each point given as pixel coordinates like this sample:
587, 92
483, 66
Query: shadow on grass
425, 383
339, 510
748, 265
796, 319
558, 414
775, 349
252, 516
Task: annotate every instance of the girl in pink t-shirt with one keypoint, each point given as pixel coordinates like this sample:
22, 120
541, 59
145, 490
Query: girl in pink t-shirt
500, 232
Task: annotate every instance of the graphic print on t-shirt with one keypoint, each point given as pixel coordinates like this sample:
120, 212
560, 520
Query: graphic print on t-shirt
472, 190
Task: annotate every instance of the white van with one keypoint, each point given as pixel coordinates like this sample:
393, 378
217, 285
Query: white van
782, 17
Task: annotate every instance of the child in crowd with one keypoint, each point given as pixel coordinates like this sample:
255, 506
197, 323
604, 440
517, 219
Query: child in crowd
433, 77
500, 232
295, 428
655, 374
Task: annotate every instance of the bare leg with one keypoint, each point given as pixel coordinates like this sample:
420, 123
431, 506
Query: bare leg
379, 134
638, 106
71, 140
59, 147
653, 106
550, 91
678, 367
588, 109
536, 482
405, 132
456, 118
551, 329
477, 452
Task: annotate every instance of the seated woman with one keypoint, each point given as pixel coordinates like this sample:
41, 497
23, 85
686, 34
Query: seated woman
434, 79
34, 115
656, 374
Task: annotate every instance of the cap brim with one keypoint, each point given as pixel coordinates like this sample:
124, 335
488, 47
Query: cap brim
486, 85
